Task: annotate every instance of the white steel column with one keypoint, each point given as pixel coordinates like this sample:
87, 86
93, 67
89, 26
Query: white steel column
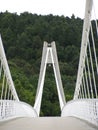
38, 99
85, 34
7, 73
49, 56
57, 76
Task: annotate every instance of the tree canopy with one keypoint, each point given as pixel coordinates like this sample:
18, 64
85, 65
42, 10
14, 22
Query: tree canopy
23, 36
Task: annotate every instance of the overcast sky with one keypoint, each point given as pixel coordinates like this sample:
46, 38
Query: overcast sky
44, 7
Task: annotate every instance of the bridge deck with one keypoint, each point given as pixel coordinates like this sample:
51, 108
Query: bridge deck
46, 123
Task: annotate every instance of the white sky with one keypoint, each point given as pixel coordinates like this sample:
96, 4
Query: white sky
44, 7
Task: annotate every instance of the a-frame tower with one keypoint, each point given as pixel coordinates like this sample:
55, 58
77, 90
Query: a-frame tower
49, 56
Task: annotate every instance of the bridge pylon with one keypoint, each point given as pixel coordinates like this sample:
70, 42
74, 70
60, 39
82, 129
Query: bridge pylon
49, 56
7, 79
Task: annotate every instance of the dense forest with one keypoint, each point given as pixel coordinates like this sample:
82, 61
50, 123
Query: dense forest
23, 36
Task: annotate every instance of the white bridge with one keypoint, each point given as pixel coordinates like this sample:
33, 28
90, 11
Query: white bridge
83, 107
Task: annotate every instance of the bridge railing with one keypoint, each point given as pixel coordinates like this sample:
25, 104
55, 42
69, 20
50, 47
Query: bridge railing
11, 109
86, 109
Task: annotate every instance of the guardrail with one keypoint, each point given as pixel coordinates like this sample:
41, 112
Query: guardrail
86, 109
11, 109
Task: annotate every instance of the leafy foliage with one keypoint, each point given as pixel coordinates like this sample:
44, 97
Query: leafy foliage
23, 36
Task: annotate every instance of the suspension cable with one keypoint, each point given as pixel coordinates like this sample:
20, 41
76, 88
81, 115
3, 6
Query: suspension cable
94, 49
84, 85
3, 86
93, 74
95, 19
0, 70
87, 83
91, 88
5, 95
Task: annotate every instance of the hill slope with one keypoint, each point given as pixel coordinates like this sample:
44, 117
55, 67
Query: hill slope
23, 36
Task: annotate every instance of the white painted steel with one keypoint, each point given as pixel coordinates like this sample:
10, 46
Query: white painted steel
86, 109
85, 34
49, 56
57, 76
38, 99
11, 109
6, 70
86, 85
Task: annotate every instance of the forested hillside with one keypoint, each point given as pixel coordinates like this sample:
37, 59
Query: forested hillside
23, 36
